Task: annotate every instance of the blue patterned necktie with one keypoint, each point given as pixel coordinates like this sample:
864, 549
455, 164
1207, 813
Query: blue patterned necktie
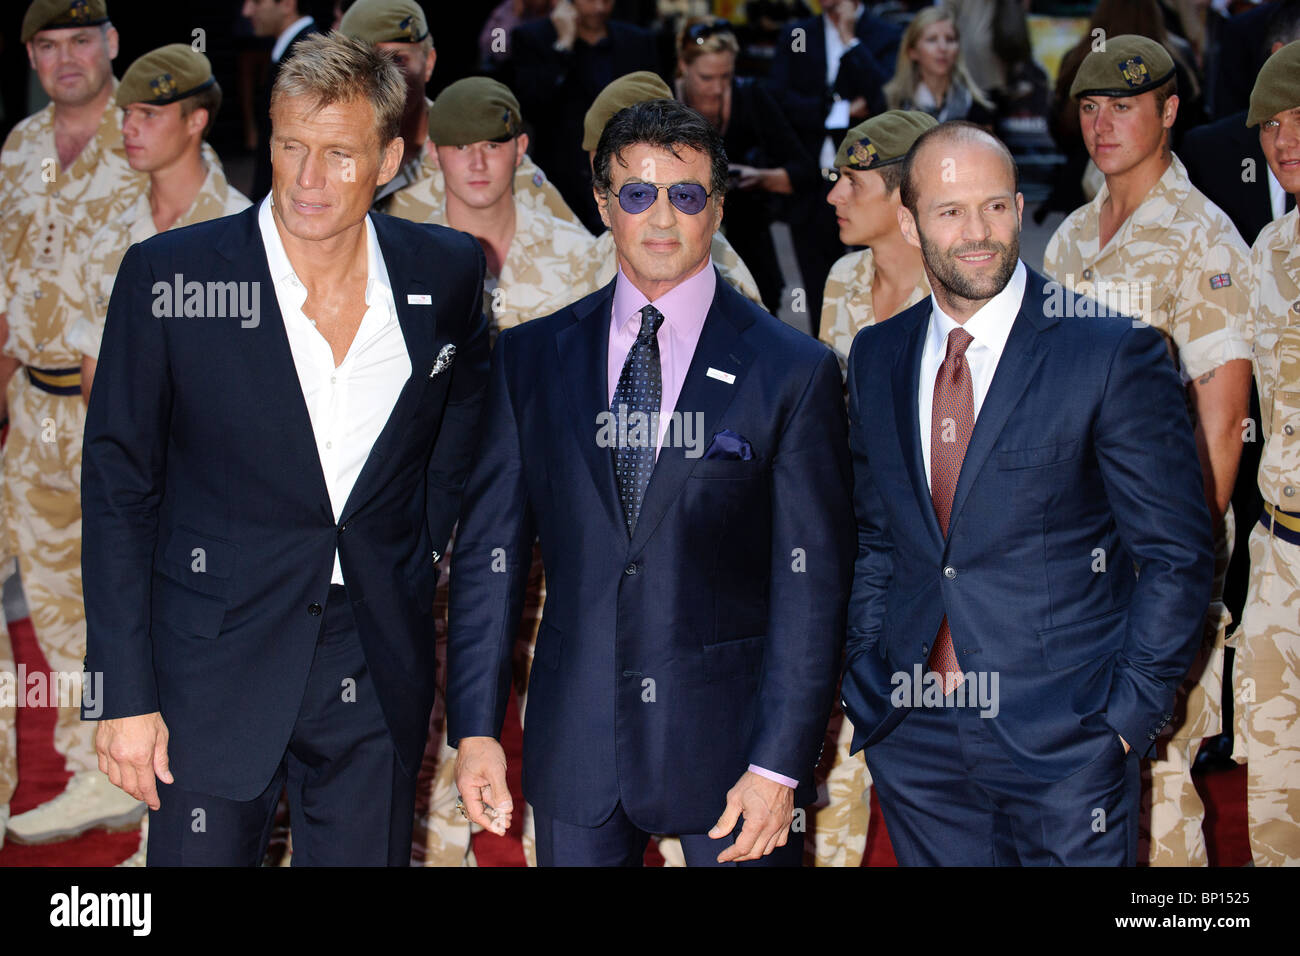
640, 388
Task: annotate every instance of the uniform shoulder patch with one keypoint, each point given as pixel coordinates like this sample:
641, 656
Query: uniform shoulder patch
1221, 281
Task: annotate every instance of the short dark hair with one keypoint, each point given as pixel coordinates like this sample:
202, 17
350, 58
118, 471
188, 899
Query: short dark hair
667, 125
892, 175
952, 131
1165, 90
1283, 24
208, 99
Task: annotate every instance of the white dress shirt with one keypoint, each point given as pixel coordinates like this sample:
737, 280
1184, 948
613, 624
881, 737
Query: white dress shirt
288, 36
348, 404
838, 116
989, 327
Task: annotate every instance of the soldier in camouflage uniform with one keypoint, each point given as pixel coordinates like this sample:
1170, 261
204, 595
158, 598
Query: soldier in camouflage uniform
169, 99
888, 273
164, 136
1151, 245
866, 201
602, 263
534, 265
1266, 671
63, 174
418, 191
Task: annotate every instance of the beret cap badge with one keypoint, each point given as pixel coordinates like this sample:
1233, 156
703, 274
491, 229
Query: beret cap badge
162, 86
862, 153
1134, 72
79, 11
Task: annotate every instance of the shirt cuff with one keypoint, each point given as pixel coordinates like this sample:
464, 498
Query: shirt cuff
773, 775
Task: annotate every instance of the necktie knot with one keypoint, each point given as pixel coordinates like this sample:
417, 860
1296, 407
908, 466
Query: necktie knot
959, 341
651, 319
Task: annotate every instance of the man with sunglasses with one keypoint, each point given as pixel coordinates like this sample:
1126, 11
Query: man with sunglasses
680, 455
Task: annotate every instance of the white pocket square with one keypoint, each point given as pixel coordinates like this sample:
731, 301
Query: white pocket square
444, 360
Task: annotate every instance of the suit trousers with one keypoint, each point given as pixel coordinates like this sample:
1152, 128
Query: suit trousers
338, 757
951, 796
620, 842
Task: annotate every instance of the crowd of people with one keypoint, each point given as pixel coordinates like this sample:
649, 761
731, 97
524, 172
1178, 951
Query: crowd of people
1172, 132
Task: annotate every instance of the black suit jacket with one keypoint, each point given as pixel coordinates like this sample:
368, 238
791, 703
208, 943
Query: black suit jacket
668, 662
208, 533
1215, 156
799, 79
1081, 467
262, 169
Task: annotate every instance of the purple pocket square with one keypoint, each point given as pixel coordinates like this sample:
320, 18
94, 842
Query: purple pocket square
727, 444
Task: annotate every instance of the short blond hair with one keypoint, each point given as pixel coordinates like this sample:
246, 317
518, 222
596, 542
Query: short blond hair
332, 68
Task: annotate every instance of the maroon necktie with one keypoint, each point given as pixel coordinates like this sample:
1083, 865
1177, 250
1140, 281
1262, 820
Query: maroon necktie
951, 421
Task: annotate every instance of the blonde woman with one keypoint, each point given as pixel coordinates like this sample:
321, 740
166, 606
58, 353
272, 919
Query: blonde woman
931, 75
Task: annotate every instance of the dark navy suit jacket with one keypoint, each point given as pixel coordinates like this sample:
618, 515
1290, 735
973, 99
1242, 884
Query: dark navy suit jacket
710, 640
208, 535
1082, 459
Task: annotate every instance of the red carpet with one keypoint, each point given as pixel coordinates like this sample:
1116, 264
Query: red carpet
41, 777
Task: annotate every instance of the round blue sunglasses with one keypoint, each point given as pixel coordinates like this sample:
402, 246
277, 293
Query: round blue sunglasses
637, 197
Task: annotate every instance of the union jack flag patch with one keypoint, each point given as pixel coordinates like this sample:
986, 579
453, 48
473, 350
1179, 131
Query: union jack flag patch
1221, 281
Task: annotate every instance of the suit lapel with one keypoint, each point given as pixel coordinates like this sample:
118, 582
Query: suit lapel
583, 349
419, 327
720, 347
906, 385
264, 352
1021, 357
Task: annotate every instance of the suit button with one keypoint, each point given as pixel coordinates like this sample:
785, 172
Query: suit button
950, 572
342, 528
1295, 306
1289, 490
313, 609
1087, 273
1151, 736
631, 569
925, 648
1288, 430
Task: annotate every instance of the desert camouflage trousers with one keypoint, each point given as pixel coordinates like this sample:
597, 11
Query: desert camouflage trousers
42, 518
1266, 699
1171, 822
837, 835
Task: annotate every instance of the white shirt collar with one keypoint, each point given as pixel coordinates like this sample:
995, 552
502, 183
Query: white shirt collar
282, 273
285, 38
991, 325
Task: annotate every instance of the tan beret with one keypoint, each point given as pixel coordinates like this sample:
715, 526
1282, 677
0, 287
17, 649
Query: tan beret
472, 110
639, 87
385, 21
1127, 65
61, 14
883, 139
165, 75
1277, 88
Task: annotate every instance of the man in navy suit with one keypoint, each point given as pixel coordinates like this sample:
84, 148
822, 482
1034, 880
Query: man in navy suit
1016, 460
680, 455
277, 440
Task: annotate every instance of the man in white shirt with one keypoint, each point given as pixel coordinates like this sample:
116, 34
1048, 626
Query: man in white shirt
286, 21
1002, 656
276, 444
